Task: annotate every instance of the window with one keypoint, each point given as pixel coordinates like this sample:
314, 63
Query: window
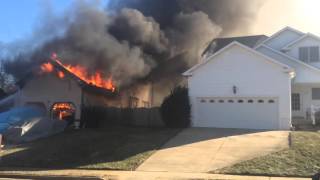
133, 102
240, 101
211, 101
295, 102
203, 101
303, 54
230, 101
261, 101
250, 101
221, 101
146, 104
63, 111
315, 93
309, 54
271, 101
314, 54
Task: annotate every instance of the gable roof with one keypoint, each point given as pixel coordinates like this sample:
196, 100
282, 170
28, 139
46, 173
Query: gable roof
291, 58
279, 32
235, 43
219, 43
84, 85
288, 46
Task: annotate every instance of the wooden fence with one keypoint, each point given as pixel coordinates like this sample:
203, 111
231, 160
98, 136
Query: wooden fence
99, 117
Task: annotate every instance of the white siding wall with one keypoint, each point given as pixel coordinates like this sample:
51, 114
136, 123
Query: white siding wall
303, 73
283, 39
251, 73
49, 89
308, 41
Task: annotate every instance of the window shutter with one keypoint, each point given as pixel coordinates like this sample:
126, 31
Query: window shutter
303, 54
314, 54
315, 93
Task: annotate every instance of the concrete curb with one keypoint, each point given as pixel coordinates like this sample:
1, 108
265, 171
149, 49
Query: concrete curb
128, 175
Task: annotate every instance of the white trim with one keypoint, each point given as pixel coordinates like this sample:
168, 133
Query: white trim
244, 97
291, 58
288, 47
278, 33
235, 43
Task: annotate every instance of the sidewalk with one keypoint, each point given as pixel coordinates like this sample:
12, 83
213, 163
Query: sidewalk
126, 175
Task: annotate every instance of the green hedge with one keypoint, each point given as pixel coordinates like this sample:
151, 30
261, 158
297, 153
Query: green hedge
176, 109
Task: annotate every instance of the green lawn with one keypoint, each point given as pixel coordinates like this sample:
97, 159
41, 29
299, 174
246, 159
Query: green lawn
114, 148
301, 159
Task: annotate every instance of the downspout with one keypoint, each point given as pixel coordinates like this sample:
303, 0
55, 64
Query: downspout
77, 122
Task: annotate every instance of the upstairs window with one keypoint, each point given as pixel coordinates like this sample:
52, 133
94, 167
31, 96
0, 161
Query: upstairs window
303, 54
309, 54
314, 54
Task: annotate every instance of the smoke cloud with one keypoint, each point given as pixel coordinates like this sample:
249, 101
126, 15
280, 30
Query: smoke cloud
135, 40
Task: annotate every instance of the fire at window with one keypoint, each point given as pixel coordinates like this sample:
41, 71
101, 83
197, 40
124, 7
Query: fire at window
63, 111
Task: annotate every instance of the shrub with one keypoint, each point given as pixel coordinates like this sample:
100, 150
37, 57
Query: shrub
175, 109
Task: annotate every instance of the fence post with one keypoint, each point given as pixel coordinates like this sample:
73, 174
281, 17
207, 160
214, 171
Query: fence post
1, 142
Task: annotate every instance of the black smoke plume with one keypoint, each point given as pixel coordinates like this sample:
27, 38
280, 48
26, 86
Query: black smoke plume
134, 40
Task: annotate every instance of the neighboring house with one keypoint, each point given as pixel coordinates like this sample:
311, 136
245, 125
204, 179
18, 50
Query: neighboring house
257, 83
65, 97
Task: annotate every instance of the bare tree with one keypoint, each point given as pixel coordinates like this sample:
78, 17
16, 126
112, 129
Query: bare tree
3, 76
6, 80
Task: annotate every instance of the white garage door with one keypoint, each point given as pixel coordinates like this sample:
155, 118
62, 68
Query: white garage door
248, 113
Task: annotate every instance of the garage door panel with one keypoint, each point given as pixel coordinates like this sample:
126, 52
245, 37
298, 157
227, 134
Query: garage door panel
247, 112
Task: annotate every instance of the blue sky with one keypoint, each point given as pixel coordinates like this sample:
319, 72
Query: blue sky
18, 17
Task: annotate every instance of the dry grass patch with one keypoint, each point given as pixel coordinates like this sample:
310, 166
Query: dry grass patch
302, 159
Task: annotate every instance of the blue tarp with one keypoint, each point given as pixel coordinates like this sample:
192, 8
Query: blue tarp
18, 115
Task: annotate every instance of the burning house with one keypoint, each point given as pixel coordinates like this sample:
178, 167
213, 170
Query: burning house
63, 90
145, 45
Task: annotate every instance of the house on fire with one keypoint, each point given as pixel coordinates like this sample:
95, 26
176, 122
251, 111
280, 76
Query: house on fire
63, 93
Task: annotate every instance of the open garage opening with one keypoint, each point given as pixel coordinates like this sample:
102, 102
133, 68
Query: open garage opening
64, 111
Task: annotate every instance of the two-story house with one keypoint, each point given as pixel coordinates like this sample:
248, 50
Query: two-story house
257, 82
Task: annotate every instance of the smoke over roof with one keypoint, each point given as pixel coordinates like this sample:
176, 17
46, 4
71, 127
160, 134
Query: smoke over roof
134, 40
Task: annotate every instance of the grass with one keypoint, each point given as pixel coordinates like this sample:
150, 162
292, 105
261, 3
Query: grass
114, 148
302, 159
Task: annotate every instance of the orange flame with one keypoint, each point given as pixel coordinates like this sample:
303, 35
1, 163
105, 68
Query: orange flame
64, 106
81, 72
64, 110
47, 67
96, 79
61, 75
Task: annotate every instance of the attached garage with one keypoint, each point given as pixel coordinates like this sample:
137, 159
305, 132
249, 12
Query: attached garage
238, 112
240, 88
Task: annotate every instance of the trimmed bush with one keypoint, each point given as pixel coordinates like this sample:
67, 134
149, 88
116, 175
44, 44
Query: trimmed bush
175, 109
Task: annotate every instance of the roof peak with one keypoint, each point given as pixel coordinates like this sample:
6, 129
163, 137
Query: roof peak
232, 37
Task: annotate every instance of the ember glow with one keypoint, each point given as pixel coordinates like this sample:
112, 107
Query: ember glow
63, 110
61, 75
81, 72
47, 67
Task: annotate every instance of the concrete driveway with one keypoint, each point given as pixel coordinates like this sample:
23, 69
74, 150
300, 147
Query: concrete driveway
206, 149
